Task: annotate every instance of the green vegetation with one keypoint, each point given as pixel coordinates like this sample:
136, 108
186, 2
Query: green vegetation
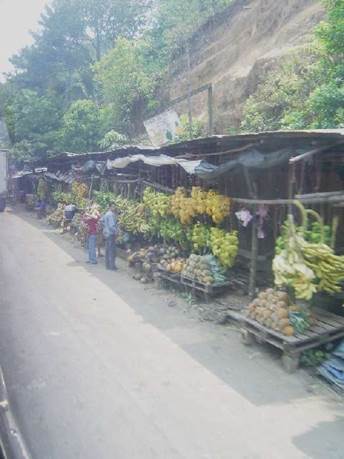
95, 70
307, 91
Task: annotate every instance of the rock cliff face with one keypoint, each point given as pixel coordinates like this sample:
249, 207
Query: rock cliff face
234, 52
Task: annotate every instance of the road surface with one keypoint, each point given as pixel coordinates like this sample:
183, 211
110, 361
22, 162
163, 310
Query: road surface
97, 366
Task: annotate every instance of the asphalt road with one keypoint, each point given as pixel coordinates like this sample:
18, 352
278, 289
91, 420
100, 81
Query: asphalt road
99, 367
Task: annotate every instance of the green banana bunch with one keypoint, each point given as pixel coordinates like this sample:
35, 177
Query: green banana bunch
224, 246
159, 204
328, 267
200, 237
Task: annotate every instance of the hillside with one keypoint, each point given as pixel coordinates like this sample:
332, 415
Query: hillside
235, 50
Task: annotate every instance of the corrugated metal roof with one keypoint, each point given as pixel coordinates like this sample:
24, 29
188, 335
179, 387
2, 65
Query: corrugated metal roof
203, 146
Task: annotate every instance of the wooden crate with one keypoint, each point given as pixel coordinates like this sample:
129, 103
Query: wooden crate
164, 276
208, 291
327, 327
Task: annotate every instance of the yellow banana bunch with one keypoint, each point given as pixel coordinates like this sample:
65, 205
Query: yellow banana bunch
217, 206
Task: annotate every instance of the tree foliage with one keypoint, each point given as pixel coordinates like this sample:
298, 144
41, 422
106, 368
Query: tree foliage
127, 83
94, 71
82, 127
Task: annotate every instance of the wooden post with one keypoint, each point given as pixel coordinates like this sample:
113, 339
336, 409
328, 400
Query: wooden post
254, 257
189, 89
210, 110
291, 180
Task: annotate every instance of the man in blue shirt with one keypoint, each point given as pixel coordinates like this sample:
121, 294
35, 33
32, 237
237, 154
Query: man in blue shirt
110, 229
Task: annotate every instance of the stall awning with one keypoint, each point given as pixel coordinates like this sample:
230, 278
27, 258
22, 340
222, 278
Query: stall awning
155, 161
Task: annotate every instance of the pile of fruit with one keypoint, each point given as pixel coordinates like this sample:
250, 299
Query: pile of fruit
204, 269
217, 206
272, 310
147, 260
305, 266
159, 204
210, 203
131, 216
200, 237
56, 218
224, 246
182, 207
171, 261
327, 267
170, 230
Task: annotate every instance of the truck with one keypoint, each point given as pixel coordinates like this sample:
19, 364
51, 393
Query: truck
3, 179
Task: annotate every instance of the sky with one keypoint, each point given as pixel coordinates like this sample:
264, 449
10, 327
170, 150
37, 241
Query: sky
17, 18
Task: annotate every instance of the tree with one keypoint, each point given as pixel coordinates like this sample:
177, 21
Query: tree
82, 127
127, 84
59, 60
34, 123
107, 20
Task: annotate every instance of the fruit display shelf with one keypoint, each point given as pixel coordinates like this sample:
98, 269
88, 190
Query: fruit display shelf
327, 327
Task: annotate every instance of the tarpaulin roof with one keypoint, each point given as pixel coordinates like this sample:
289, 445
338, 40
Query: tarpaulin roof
250, 159
265, 143
21, 174
156, 161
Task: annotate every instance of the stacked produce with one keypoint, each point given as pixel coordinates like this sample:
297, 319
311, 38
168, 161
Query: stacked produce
131, 216
170, 230
182, 207
159, 204
171, 260
305, 266
200, 237
217, 206
56, 218
328, 267
63, 198
79, 194
204, 269
210, 203
272, 310
147, 260
199, 199
290, 269
224, 246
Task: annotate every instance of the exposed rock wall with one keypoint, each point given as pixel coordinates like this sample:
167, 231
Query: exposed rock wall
236, 49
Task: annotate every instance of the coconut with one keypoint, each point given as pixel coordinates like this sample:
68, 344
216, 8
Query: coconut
282, 313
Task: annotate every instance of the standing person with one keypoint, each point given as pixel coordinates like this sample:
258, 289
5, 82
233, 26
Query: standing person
42, 194
91, 220
100, 239
109, 223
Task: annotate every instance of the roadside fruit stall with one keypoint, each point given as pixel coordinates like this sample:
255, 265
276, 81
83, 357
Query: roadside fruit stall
232, 212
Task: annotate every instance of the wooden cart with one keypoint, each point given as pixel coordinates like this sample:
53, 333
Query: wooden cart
327, 327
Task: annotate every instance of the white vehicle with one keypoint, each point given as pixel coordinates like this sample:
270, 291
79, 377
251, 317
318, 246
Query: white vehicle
3, 179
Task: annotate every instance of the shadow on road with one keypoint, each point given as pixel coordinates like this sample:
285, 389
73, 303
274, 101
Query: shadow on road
252, 372
324, 440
